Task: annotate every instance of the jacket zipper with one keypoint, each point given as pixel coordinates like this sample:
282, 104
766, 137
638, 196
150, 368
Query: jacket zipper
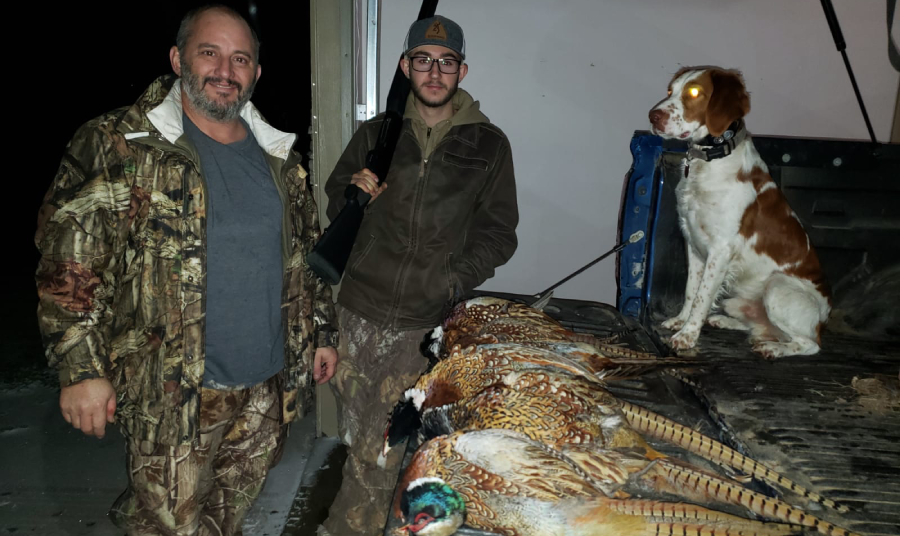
413, 239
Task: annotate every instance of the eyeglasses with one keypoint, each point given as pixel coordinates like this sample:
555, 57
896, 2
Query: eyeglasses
423, 64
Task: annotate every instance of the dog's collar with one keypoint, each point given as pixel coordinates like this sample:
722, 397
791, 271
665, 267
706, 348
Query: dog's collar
715, 147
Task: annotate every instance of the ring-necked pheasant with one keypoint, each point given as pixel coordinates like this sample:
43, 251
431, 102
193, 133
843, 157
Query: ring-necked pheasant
501, 481
549, 406
562, 413
536, 393
465, 373
490, 320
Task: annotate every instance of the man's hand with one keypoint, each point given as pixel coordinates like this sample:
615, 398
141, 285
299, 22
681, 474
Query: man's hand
88, 405
324, 364
368, 182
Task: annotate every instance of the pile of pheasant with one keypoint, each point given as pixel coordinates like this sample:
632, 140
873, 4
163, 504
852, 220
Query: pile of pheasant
523, 439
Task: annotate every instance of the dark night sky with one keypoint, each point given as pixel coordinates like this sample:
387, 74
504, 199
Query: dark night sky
77, 60
85, 61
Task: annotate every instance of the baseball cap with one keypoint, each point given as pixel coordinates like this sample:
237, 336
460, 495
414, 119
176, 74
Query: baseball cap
436, 30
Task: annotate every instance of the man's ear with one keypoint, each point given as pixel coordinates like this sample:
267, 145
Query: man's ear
463, 70
175, 60
404, 65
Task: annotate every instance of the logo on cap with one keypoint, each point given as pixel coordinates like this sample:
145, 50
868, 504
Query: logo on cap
436, 31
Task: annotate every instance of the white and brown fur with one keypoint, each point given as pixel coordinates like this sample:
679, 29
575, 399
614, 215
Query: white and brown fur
744, 243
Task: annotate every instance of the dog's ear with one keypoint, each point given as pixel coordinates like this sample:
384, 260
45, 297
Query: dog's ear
729, 101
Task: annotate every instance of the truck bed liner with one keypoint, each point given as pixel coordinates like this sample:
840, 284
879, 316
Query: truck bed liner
801, 416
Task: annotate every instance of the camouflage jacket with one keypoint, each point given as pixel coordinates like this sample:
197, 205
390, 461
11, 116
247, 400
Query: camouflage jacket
122, 275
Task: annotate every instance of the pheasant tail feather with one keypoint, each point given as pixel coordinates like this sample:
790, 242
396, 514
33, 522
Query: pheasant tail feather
664, 429
608, 517
687, 481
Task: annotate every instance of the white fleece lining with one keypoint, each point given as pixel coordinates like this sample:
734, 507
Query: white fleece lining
167, 119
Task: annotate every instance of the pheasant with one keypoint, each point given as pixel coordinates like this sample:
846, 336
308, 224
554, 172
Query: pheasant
554, 408
465, 373
502, 482
472, 317
550, 399
488, 320
561, 414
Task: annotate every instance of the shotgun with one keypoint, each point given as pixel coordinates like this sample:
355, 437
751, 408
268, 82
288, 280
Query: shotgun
328, 257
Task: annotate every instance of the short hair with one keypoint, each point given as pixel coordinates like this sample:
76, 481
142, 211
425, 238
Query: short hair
186, 28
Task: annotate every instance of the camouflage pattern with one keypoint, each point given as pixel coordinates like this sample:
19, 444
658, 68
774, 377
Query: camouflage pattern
122, 275
376, 366
208, 486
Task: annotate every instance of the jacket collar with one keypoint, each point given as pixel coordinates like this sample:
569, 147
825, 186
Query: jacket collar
160, 108
466, 111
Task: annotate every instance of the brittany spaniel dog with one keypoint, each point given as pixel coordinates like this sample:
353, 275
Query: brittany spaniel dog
744, 243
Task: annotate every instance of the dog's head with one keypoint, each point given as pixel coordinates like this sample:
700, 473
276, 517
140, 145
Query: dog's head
701, 101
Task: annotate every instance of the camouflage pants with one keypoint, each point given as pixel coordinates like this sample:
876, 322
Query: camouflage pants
208, 486
376, 366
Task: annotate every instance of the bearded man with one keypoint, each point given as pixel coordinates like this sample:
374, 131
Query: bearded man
174, 298
436, 228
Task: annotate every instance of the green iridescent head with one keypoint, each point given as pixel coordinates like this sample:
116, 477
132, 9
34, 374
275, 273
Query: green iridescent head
432, 508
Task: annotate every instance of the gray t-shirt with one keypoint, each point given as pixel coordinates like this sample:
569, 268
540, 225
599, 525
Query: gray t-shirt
244, 339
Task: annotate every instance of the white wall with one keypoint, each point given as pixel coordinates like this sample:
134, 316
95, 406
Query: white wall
569, 81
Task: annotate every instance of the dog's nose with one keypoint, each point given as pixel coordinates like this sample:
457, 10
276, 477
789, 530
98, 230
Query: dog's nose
657, 118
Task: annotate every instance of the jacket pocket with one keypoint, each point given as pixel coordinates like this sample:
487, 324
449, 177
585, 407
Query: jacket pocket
467, 162
361, 257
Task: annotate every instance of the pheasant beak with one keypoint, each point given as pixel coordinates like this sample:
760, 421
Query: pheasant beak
402, 531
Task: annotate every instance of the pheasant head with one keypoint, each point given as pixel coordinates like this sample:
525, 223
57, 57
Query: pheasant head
405, 420
432, 508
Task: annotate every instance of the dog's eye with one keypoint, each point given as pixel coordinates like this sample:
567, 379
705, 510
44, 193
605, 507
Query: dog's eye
695, 92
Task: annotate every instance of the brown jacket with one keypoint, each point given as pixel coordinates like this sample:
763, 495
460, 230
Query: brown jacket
445, 222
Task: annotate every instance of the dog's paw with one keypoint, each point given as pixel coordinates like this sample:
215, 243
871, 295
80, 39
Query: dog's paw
726, 322
675, 323
684, 339
770, 350
757, 339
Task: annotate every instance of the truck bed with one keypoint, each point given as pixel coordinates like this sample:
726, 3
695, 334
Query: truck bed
802, 416
830, 422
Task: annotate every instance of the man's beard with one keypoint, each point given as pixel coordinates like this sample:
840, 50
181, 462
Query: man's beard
200, 101
420, 94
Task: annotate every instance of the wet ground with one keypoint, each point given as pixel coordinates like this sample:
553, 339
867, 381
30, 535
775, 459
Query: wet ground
56, 481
